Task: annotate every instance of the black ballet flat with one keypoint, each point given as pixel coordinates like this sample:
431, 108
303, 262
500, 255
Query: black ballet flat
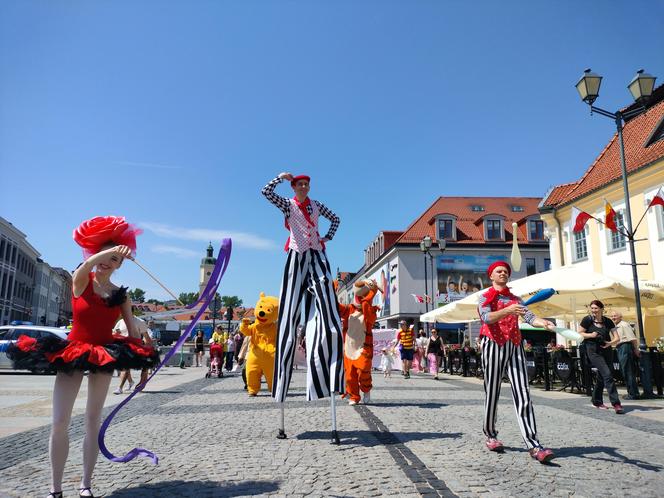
54, 494
80, 493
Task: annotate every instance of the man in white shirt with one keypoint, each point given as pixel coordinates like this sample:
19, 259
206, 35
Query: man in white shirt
628, 348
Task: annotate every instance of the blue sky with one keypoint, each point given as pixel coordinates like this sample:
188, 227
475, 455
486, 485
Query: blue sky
175, 114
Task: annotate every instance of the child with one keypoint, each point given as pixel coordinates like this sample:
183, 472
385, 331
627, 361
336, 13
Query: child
386, 362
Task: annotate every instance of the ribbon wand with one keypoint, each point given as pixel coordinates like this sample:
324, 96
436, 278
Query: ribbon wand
157, 280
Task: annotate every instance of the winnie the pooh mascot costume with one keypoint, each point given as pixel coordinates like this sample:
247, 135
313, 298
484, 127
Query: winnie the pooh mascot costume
262, 334
358, 320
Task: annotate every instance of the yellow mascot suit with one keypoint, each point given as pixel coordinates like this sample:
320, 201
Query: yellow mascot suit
263, 334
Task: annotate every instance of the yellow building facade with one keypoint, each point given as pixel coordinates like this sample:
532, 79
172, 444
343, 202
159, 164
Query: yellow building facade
597, 248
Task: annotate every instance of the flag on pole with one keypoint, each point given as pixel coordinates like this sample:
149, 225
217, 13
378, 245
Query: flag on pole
658, 200
418, 299
515, 258
579, 219
610, 217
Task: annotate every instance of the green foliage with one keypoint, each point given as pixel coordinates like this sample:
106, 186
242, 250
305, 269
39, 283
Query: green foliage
188, 297
137, 295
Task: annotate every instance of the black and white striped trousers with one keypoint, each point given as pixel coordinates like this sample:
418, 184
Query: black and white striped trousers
307, 280
495, 361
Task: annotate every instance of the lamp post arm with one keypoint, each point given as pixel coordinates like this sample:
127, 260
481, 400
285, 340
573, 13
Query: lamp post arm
599, 110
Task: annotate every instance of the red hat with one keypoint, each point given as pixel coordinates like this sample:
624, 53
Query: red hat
299, 177
495, 265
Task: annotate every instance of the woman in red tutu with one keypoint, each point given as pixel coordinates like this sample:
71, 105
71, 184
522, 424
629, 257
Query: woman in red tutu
91, 346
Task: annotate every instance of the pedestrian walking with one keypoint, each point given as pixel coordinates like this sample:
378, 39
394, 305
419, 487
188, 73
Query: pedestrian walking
599, 335
406, 345
433, 351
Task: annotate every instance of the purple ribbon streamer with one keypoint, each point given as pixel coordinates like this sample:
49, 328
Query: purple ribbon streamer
204, 300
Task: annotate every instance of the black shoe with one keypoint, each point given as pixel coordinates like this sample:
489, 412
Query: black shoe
648, 396
54, 494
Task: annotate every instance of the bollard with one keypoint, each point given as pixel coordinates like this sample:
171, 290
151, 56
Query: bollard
547, 377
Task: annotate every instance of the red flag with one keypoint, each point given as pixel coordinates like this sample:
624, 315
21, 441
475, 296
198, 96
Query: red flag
579, 219
418, 299
658, 200
610, 217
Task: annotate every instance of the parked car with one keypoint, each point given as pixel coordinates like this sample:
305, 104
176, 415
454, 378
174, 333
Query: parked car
10, 333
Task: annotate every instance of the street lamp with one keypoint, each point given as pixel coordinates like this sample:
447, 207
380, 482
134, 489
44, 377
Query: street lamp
641, 87
425, 246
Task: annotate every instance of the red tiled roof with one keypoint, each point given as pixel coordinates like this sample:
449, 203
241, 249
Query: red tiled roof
390, 237
606, 168
470, 229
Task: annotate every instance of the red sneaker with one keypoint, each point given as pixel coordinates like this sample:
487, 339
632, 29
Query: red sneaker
601, 406
618, 408
542, 455
494, 445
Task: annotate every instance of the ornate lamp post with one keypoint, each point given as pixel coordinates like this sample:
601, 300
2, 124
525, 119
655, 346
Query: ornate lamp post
641, 87
425, 246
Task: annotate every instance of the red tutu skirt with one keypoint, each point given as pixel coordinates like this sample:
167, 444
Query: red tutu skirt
54, 354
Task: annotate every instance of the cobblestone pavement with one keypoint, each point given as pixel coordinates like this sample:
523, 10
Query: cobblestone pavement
418, 437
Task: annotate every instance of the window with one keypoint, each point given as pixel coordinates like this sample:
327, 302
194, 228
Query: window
494, 229
517, 209
476, 208
617, 240
531, 266
547, 264
659, 215
446, 230
580, 248
657, 134
536, 230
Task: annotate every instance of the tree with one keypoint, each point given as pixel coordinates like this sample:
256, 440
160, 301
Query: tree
231, 301
188, 297
137, 295
155, 301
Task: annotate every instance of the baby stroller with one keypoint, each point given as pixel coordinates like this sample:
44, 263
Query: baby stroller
216, 359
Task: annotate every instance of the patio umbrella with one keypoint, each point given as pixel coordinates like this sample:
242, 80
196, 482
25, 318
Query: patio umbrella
575, 289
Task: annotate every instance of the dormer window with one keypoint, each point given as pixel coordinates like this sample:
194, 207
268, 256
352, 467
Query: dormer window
493, 229
535, 230
517, 209
657, 134
446, 228
477, 208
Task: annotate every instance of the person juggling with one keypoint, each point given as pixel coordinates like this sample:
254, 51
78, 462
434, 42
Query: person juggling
307, 281
502, 351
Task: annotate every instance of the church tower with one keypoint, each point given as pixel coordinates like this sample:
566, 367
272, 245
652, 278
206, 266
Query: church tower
207, 265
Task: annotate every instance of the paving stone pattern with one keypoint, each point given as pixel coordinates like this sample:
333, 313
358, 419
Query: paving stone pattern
418, 437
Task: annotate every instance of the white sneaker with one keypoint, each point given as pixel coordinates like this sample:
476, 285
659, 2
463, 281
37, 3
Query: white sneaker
366, 398
352, 402
131, 384
117, 391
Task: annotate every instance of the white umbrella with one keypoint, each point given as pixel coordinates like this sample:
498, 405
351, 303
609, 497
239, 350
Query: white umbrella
575, 289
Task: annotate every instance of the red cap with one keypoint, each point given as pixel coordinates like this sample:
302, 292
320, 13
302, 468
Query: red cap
299, 177
495, 265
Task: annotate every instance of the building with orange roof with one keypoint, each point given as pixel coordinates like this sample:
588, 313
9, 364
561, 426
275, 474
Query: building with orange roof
476, 231
597, 248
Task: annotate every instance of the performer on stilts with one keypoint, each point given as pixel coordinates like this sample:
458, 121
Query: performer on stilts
307, 281
97, 304
502, 351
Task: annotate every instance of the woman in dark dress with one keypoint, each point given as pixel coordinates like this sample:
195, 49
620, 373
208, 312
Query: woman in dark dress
599, 334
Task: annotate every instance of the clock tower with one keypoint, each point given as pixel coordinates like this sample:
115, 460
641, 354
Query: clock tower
207, 265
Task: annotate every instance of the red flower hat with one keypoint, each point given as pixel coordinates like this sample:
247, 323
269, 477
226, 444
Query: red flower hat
96, 232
